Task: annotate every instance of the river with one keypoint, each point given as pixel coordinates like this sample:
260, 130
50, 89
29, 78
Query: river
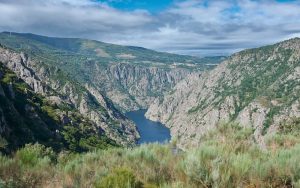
150, 131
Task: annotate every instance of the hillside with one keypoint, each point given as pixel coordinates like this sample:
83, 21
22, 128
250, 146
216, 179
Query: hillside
28, 117
258, 88
92, 111
132, 77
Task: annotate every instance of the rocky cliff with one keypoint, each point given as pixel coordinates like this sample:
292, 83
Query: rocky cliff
28, 117
133, 87
61, 90
258, 88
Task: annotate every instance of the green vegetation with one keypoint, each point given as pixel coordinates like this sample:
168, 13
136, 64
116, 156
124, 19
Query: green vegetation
121, 177
73, 50
84, 138
75, 55
226, 157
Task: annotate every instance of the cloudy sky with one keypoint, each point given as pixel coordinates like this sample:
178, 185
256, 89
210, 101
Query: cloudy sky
195, 27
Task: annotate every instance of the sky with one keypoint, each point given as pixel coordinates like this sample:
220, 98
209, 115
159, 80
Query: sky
193, 27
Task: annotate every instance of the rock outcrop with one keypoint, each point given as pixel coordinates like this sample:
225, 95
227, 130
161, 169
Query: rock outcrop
133, 87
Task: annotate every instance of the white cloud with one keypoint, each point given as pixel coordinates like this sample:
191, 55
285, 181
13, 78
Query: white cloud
67, 17
195, 27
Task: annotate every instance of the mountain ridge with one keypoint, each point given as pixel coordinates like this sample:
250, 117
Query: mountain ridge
43, 38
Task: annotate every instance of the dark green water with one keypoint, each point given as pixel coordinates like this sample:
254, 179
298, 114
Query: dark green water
150, 131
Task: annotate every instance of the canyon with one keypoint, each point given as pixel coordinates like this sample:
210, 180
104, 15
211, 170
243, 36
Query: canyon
256, 88
95, 80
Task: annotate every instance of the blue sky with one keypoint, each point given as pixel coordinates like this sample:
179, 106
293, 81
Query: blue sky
194, 27
153, 6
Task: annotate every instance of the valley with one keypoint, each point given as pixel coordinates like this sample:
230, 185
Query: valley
101, 87
149, 94
101, 115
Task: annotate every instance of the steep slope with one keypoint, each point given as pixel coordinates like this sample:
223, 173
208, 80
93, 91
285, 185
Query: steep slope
27, 117
63, 91
259, 88
130, 76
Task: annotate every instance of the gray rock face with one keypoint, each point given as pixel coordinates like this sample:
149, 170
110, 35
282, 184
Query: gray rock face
258, 88
87, 100
133, 87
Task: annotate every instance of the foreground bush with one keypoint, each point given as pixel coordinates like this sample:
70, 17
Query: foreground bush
227, 157
31, 166
119, 178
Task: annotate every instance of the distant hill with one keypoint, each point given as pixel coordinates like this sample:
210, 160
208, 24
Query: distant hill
98, 51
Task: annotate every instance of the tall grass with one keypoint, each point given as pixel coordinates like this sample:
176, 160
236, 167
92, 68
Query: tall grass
227, 157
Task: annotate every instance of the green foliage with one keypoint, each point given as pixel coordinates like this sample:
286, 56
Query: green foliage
32, 154
119, 178
30, 167
8, 78
51, 112
84, 138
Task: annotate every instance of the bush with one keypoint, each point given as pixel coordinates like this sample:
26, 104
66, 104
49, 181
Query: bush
31, 166
35, 154
119, 178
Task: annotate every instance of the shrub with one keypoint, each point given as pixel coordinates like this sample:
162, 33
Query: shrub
9, 169
197, 165
119, 178
34, 154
